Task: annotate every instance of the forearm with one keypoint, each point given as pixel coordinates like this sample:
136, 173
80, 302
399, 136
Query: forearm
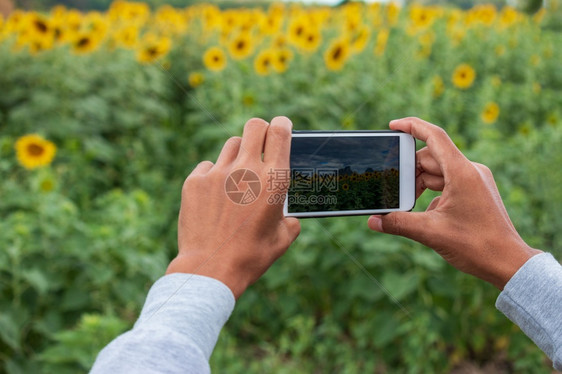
533, 300
176, 331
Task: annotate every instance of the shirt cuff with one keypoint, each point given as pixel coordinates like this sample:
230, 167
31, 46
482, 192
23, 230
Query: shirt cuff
195, 305
532, 299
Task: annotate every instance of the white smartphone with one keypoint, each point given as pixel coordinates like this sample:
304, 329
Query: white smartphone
343, 173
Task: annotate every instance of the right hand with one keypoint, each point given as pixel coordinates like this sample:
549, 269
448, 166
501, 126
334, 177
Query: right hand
232, 242
468, 224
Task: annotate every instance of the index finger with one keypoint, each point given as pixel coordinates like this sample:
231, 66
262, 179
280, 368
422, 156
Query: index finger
438, 142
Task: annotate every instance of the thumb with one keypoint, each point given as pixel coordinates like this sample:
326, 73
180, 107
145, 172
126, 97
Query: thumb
293, 227
408, 224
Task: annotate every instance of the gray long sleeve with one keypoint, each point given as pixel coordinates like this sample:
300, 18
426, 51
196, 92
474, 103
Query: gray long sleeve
532, 299
176, 331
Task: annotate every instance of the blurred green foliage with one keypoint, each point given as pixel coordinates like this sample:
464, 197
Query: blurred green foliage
83, 239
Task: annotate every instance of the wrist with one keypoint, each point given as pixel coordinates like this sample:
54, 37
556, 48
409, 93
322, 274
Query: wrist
512, 259
193, 264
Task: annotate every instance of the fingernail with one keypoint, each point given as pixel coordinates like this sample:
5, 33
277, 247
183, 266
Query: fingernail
375, 223
283, 120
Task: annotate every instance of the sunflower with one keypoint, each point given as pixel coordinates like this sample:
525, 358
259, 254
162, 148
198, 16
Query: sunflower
96, 23
248, 100
348, 122
46, 184
39, 44
490, 113
337, 54
84, 42
426, 39
552, 119
535, 60
421, 17
345, 187
126, 37
214, 59
525, 129
508, 16
73, 20
380, 45
263, 63
485, 14
311, 40
271, 24
392, 13
195, 79
280, 41
423, 52
39, 25
297, 30
60, 31
241, 46
547, 52
281, 59
499, 50
463, 76
34, 151
352, 21
438, 86
153, 48
360, 39
457, 34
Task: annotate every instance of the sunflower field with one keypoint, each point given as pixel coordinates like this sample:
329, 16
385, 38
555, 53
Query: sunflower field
104, 114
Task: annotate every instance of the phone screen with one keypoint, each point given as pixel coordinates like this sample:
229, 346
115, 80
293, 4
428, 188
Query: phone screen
335, 173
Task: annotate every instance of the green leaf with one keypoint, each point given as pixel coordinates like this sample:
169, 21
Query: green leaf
9, 331
74, 299
400, 285
36, 278
385, 328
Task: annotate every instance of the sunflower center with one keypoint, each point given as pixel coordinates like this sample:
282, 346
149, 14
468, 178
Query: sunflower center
240, 45
337, 53
152, 51
83, 42
35, 149
41, 26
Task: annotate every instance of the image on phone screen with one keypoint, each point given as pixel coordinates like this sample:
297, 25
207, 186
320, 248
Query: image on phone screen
344, 174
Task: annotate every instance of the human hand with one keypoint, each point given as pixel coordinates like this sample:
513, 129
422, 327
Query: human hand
229, 241
468, 224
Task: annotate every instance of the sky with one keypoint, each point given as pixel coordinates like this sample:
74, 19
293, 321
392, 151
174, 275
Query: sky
360, 153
